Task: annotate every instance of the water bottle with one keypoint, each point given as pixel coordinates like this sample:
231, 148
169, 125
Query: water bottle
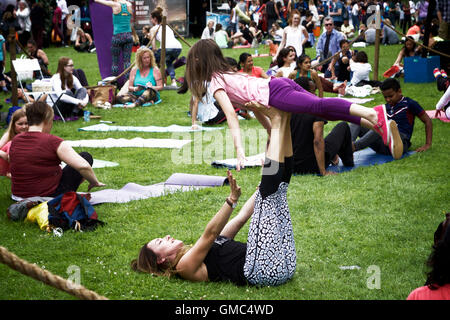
256, 52
87, 116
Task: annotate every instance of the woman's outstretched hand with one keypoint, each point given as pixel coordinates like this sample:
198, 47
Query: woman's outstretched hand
240, 159
235, 190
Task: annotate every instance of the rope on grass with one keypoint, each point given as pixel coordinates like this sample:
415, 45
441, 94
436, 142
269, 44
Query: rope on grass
416, 42
33, 271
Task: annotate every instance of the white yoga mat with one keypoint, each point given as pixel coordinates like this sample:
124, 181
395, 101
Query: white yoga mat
127, 143
102, 127
252, 161
132, 191
98, 164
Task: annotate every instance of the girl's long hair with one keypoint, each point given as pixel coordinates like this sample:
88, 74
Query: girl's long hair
203, 60
439, 259
147, 262
63, 61
18, 114
406, 51
281, 55
300, 61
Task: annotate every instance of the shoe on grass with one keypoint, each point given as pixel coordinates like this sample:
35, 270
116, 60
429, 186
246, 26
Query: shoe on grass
395, 143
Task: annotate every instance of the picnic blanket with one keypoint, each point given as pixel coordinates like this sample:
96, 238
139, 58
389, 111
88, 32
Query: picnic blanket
442, 117
127, 143
102, 127
362, 158
177, 182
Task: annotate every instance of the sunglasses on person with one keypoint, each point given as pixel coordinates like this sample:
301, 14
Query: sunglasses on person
69, 65
328, 24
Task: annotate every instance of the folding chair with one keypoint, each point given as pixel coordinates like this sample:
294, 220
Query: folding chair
25, 69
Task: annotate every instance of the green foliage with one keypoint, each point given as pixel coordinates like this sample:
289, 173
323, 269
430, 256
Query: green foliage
383, 215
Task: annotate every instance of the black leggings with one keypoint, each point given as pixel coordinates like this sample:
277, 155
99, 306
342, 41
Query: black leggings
71, 178
273, 174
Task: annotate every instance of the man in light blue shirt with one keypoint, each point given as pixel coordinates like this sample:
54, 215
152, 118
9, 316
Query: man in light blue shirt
328, 44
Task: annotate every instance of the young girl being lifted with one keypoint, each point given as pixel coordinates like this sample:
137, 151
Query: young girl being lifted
206, 64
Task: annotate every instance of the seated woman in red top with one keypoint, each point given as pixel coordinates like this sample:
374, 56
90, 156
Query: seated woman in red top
437, 286
246, 62
35, 158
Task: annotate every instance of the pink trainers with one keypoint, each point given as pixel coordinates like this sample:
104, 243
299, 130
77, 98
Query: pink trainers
395, 143
382, 127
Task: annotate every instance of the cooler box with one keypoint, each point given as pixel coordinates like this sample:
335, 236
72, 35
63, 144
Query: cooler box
419, 70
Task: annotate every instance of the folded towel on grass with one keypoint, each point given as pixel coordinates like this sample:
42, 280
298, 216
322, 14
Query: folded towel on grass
124, 143
102, 127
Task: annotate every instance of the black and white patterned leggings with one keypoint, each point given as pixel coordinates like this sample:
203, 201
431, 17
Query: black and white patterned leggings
271, 257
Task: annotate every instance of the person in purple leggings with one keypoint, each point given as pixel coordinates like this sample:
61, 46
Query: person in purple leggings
122, 39
207, 69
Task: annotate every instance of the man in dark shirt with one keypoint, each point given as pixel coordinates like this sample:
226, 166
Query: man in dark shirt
244, 36
312, 153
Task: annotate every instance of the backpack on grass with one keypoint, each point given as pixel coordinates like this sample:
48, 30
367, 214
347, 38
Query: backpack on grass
72, 211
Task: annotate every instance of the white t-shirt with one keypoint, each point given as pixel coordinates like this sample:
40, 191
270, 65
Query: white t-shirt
295, 37
171, 41
360, 71
57, 88
412, 7
355, 9
206, 34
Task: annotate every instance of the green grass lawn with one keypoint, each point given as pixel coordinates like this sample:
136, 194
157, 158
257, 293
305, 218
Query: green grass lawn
379, 218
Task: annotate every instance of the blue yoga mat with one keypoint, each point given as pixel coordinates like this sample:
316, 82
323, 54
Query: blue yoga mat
364, 158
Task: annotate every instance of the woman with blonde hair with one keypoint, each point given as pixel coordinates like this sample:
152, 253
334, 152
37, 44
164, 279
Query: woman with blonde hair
145, 81
17, 125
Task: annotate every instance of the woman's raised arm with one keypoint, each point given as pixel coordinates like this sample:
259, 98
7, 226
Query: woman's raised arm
191, 266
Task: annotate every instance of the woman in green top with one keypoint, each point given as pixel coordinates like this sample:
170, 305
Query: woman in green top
221, 37
122, 40
304, 69
145, 80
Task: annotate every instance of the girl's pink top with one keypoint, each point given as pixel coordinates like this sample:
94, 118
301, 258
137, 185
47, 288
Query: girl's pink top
241, 88
4, 165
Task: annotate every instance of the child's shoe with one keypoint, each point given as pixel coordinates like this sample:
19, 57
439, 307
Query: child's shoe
382, 127
436, 73
395, 143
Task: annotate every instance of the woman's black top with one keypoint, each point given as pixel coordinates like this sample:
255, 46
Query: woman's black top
225, 261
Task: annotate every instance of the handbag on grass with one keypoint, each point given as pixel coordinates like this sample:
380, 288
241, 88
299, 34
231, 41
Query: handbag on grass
102, 94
